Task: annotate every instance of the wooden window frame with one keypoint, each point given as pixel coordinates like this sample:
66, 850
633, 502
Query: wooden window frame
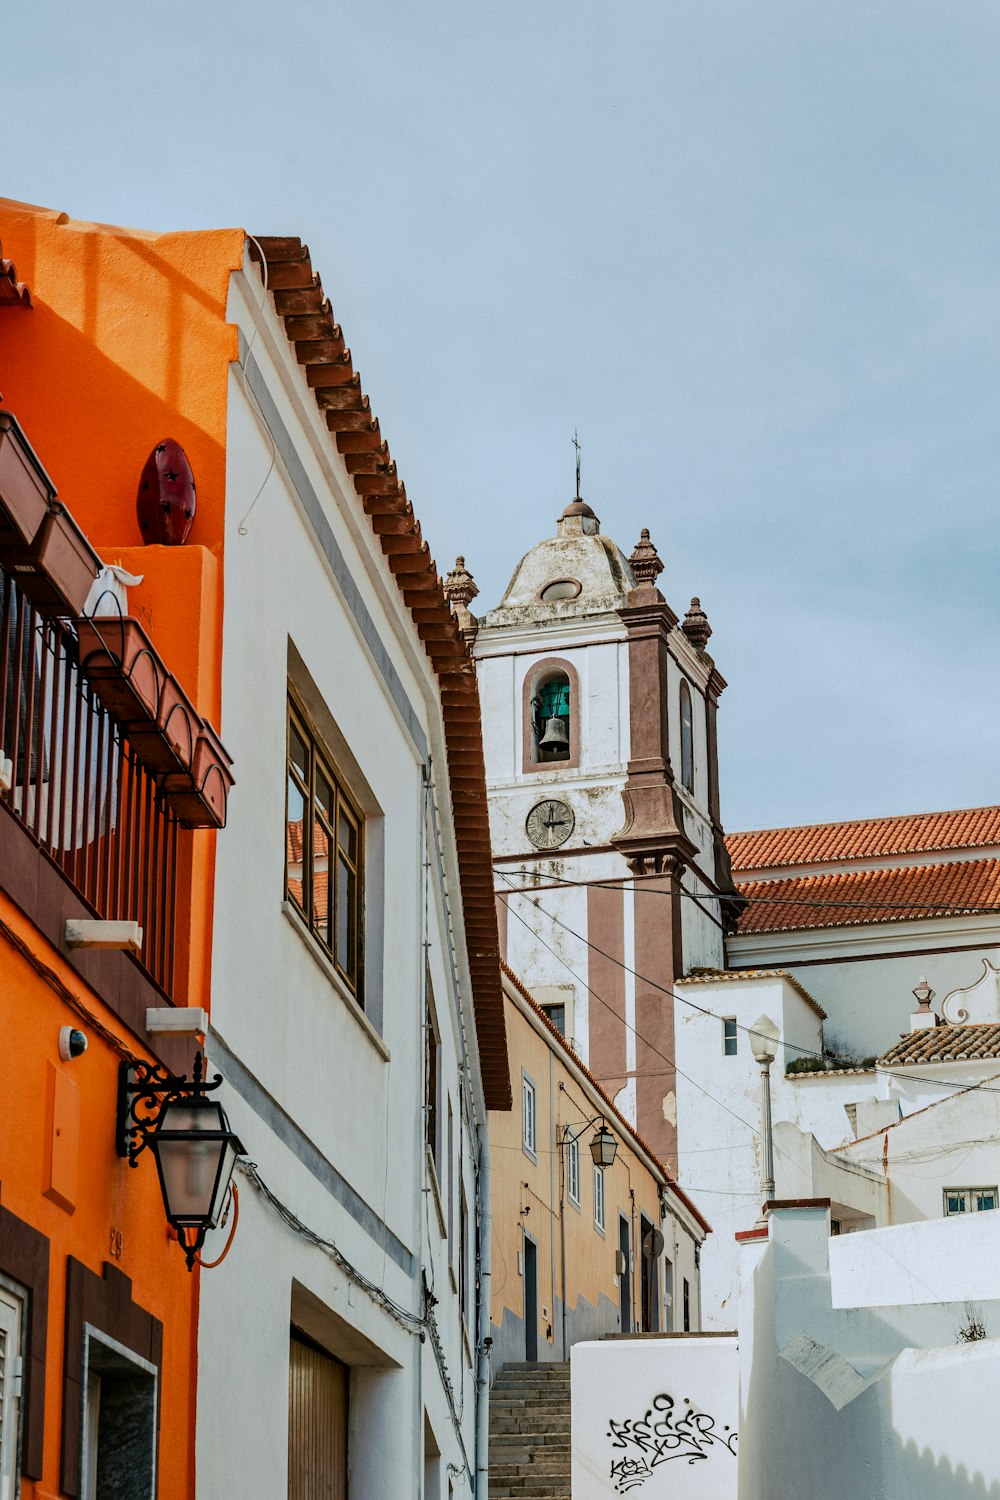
320, 760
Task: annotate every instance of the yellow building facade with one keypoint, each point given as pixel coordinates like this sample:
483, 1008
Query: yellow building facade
578, 1250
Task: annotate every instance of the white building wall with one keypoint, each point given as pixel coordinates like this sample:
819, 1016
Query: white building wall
330, 1102
868, 998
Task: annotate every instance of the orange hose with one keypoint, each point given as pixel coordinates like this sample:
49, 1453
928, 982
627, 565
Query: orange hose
210, 1265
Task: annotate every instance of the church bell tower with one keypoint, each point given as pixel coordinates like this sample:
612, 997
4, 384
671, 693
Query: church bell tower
612, 879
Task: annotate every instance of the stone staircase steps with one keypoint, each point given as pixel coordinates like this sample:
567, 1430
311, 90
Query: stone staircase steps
530, 1433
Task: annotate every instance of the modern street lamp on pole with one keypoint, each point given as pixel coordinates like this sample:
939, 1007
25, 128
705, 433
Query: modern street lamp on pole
764, 1038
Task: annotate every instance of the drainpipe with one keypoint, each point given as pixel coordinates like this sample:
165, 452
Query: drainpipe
562, 1230
485, 1341
635, 1261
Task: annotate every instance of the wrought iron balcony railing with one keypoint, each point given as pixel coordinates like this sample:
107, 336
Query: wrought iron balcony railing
70, 777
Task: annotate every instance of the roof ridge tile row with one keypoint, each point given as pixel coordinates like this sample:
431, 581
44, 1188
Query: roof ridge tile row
865, 838
320, 349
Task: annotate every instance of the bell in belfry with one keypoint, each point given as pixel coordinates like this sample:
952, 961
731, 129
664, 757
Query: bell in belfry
556, 736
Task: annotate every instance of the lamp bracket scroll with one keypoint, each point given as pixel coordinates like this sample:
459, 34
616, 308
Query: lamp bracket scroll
144, 1091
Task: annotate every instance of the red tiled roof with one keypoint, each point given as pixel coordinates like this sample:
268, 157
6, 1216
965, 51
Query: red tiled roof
320, 349
865, 838
903, 893
937, 1044
613, 1109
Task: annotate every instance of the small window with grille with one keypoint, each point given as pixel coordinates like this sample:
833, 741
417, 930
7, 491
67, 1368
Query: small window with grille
977, 1200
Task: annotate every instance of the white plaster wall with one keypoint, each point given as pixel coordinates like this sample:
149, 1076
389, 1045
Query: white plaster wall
351, 1095
869, 1000
955, 1143
941, 1260
718, 1109
660, 1414
872, 1399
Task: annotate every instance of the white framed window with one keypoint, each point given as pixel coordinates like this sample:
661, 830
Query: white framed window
573, 1172
978, 1200
599, 1197
730, 1037
529, 1139
11, 1323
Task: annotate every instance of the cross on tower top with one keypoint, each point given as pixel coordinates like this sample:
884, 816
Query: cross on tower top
576, 445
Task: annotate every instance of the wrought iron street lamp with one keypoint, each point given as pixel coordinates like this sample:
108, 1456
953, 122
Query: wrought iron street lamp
603, 1146
194, 1146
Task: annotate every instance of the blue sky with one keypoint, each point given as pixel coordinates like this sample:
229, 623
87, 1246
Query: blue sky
749, 250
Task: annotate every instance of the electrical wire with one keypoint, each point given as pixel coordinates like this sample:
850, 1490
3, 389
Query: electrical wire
693, 1005
963, 908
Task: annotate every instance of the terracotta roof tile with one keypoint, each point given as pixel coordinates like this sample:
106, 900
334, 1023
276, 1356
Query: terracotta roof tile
937, 1044
865, 838
716, 975
320, 349
903, 893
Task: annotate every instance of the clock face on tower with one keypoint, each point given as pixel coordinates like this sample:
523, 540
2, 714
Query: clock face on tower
549, 824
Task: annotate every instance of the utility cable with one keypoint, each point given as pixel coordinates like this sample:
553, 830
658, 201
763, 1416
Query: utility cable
703, 1010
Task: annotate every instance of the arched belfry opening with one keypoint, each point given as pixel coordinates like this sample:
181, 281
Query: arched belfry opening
551, 716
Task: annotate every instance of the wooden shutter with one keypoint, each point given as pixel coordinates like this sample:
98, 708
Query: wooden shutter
317, 1424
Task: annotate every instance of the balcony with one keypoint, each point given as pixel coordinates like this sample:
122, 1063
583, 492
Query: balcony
76, 785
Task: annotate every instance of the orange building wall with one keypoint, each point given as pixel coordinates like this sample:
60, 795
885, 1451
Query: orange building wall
98, 1195
127, 343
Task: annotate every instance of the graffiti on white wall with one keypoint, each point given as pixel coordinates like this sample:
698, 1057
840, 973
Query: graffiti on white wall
669, 1430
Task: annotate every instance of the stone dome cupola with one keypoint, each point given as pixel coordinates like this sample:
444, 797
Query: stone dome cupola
576, 572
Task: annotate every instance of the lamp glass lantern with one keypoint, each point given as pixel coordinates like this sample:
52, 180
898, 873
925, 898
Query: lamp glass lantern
603, 1147
764, 1038
195, 1151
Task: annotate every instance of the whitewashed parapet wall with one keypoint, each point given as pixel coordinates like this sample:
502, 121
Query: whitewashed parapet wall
855, 1375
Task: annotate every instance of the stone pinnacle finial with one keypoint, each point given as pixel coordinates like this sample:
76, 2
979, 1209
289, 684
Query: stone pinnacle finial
695, 625
460, 586
460, 590
645, 561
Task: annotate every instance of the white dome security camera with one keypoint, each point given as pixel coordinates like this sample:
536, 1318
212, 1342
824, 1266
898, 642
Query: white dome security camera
72, 1043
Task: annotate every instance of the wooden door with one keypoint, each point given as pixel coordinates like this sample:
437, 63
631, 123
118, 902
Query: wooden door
317, 1424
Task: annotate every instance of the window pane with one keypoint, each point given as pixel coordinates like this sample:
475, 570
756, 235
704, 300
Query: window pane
348, 835
557, 1015
954, 1203
293, 844
321, 885
298, 754
324, 793
346, 918
729, 1037
986, 1198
